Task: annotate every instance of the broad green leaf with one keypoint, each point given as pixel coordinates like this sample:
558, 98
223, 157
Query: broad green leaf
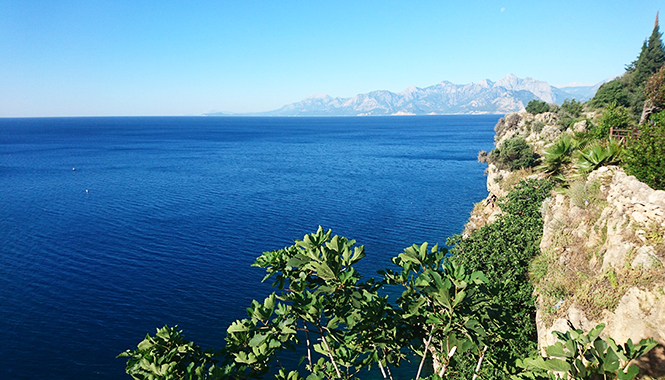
257, 339
581, 368
324, 272
629, 374
556, 365
611, 362
459, 298
423, 252
144, 345
557, 351
595, 332
237, 326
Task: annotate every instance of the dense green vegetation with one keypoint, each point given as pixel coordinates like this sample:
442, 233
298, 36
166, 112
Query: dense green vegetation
515, 239
613, 116
586, 356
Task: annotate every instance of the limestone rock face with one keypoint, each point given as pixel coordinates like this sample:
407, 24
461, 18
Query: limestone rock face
494, 178
629, 233
581, 126
632, 209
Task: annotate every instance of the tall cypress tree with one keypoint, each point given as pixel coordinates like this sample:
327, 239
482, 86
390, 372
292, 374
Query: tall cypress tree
651, 58
628, 90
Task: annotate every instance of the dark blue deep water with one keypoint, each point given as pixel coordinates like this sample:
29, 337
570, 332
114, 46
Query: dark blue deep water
162, 217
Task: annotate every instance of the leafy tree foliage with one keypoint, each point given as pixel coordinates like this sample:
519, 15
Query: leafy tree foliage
614, 91
655, 88
167, 355
536, 106
342, 323
645, 153
655, 93
503, 250
513, 154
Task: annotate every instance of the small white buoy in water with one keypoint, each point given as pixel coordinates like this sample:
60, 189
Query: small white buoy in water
86, 191
73, 169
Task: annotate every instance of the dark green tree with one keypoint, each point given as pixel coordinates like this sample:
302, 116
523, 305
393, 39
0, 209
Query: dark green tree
628, 90
573, 107
651, 58
614, 91
536, 106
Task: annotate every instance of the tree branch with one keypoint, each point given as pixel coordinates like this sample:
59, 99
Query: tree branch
422, 361
480, 362
330, 355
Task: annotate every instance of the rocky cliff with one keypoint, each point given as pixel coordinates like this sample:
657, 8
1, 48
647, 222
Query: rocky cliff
602, 254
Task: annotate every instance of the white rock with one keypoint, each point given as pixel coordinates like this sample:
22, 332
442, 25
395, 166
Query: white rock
658, 198
646, 258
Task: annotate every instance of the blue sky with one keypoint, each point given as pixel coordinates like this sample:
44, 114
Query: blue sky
114, 58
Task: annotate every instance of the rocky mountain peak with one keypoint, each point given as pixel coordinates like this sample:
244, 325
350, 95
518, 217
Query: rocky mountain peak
508, 94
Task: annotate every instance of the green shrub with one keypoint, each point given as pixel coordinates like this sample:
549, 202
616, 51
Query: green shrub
537, 106
513, 154
537, 126
645, 154
614, 91
614, 116
168, 356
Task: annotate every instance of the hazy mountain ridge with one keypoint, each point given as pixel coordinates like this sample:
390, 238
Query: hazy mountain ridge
508, 94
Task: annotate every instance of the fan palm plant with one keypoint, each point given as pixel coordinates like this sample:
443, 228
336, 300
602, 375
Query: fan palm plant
597, 155
558, 156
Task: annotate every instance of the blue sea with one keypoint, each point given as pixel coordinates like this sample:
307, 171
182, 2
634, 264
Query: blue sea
111, 227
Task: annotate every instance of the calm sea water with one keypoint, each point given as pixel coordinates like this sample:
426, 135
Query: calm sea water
111, 227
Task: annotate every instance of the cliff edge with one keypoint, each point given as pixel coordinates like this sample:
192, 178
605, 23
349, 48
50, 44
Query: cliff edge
602, 255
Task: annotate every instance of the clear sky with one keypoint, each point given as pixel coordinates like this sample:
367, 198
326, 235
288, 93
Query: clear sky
114, 58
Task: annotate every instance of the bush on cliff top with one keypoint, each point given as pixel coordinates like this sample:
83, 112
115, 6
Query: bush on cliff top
513, 154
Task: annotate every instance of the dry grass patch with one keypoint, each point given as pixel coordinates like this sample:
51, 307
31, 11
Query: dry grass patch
515, 177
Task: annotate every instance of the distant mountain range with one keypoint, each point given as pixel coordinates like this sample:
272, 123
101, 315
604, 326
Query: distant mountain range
508, 94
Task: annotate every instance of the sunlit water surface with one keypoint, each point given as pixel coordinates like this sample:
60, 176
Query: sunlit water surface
111, 227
